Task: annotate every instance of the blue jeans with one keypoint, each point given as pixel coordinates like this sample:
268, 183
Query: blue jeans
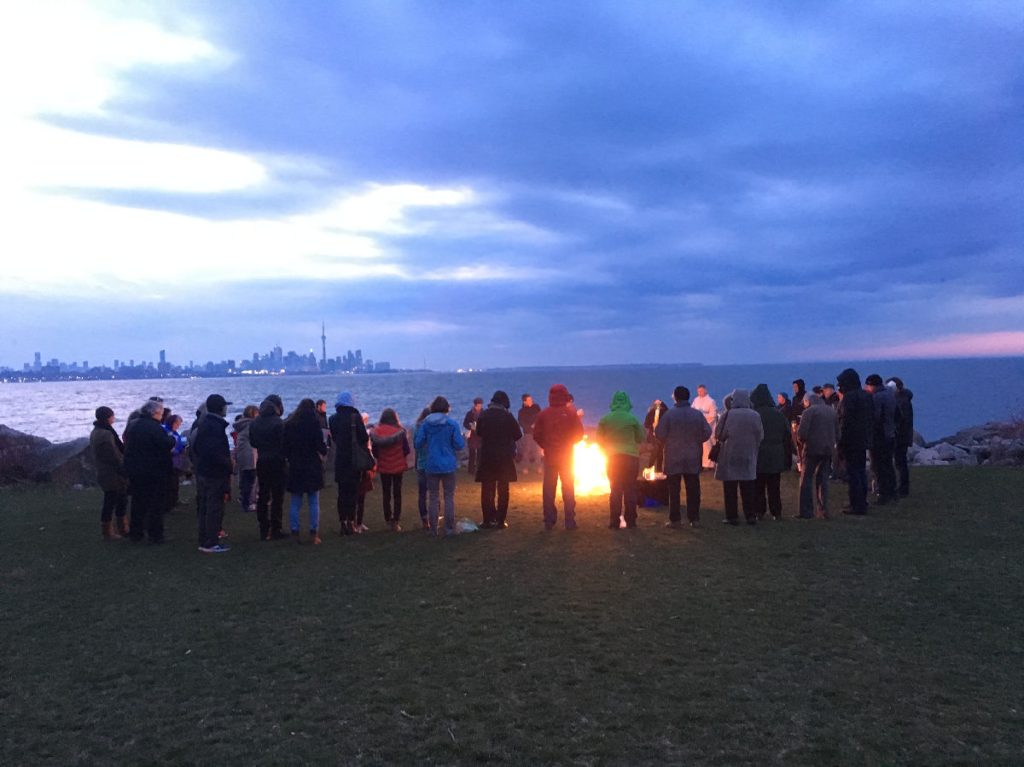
814, 485
314, 511
434, 483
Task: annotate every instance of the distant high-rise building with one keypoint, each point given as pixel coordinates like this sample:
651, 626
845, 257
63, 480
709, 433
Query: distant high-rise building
323, 342
163, 357
38, 361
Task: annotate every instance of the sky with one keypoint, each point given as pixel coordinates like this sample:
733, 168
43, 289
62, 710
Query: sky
487, 184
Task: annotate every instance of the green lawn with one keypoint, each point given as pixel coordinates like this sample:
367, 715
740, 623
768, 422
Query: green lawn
894, 639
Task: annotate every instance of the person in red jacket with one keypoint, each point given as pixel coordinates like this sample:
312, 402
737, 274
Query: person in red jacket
557, 429
390, 447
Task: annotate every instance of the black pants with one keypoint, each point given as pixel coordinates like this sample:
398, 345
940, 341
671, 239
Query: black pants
210, 493
902, 469
149, 501
884, 470
747, 489
474, 456
494, 501
856, 479
114, 502
767, 486
622, 471
391, 487
270, 476
692, 482
348, 496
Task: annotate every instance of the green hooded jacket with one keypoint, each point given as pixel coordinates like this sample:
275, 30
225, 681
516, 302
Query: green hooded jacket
776, 452
619, 432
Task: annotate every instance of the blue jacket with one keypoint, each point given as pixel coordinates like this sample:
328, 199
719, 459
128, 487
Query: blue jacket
440, 439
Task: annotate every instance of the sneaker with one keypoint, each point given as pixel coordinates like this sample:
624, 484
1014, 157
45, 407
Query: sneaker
695, 524
674, 525
363, 529
395, 527
219, 548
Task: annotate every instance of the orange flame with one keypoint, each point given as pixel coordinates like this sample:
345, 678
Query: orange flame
590, 469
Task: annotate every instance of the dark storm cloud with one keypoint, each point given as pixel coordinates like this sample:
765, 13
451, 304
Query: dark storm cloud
742, 174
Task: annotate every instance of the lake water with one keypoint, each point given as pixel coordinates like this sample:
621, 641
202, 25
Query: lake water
948, 394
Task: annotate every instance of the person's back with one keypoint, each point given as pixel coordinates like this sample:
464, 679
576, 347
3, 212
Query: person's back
619, 432
439, 436
775, 451
819, 429
266, 433
856, 413
684, 430
210, 449
886, 414
557, 428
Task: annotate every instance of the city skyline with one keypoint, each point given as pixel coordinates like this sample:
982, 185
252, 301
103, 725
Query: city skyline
514, 185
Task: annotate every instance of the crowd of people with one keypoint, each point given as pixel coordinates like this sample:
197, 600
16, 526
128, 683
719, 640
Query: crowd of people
828, 433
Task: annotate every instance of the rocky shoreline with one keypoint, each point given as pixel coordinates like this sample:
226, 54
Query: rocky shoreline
25, 458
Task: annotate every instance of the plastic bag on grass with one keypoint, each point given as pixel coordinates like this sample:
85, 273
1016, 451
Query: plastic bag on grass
465, 525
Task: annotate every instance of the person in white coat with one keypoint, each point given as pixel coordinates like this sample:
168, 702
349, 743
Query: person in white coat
707, 407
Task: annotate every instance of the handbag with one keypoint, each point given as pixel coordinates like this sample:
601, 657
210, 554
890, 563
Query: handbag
362, 459
716, 449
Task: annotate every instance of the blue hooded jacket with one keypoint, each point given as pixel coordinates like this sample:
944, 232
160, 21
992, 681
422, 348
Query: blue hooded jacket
439, 437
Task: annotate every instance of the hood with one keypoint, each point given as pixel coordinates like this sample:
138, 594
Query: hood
621, 402
242, 424
558, 396
848, 380
345, 398
760, 397
436, 421
740, 398
814, 399
268, 407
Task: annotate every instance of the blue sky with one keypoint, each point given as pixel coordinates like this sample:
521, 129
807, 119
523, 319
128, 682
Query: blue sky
488, 184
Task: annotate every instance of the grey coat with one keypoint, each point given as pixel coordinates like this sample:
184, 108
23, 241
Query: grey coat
819, 428
740, 432
683, 431
245, 453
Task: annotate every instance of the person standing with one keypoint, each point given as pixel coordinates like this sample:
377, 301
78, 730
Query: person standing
421, 474
557, 430
774, 455
904, 432
498, 431
108, 456
818, 433
529, 453
619, 434
740, 433
439, 437
304, 448
214, 467
683, 431
147, 461
472, 440
347, 431
654, 413
246, 458
883, 439
266, 436
856, 422
704, 404
391, 449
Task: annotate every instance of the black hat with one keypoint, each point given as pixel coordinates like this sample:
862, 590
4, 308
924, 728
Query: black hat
501, 398
873, 380
216, 403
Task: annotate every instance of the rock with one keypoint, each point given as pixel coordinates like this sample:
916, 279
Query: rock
24, 457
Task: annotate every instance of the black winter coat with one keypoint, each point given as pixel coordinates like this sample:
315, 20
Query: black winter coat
856, 413
266, 434
905, 423
498, 431
304, 447
147, 454
341, 424
211, 453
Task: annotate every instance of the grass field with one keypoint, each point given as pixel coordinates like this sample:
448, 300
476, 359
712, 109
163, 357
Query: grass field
893, 639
